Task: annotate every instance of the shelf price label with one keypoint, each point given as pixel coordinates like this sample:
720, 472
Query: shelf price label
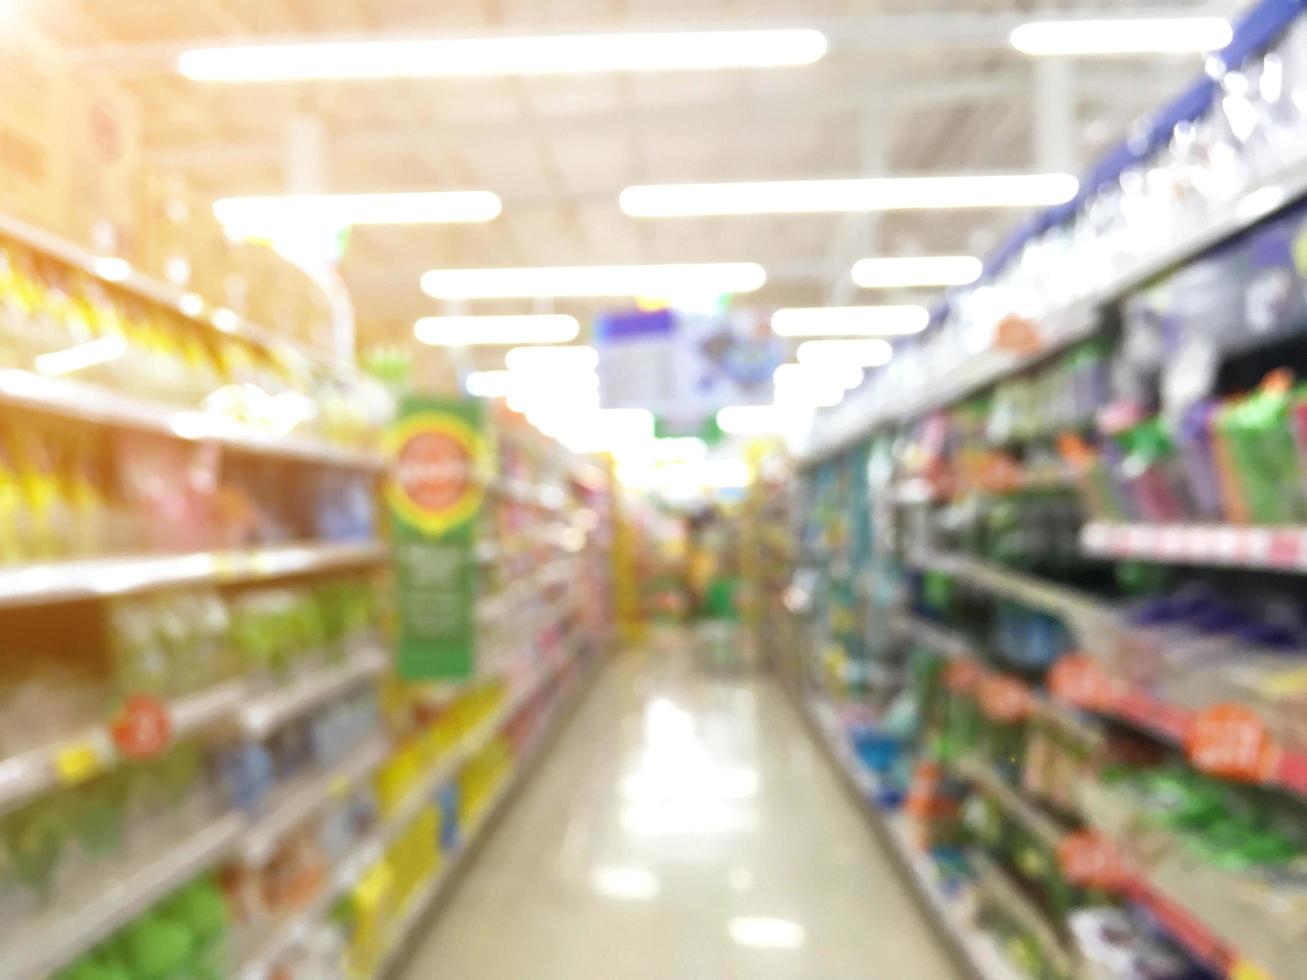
1005, 699
143, 729
1232, 742
77, 762
1091, 860
1081, 680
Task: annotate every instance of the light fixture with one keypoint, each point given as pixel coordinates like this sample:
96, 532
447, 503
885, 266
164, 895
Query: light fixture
870, 352
801, 392
1125, 35
489, 384
606, 429
850, 321
472, 331
245, 216
767, 933
922, 270
561, 54
759, 420
604, 280
685, 449
849, 195
112, 269
91, 354
820, 373
191, 304
553, 360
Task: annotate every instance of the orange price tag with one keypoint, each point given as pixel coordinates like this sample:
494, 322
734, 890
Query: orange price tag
143, 729
1017, 335
1230, 741
1005, 699
1089, 859
963, 676
1081, 680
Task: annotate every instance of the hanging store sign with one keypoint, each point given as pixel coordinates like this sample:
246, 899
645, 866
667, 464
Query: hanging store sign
434, 489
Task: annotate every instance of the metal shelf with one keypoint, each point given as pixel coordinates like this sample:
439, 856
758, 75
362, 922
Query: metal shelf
267, 713
39, 770
1263, 548
97, 578
105, 406
60, 936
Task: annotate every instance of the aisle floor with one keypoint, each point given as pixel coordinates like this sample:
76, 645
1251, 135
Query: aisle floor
684, 827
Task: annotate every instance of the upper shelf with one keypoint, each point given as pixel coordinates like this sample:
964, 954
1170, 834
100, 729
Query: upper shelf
1269, 548
1064, 323
95, 578
95, 403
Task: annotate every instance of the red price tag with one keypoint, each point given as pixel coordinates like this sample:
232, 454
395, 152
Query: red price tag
143, 729
1005, 699
1230, 741
963, 676
1090, 860
1081, 680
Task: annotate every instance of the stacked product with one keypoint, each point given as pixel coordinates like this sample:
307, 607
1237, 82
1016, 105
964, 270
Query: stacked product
1106, 756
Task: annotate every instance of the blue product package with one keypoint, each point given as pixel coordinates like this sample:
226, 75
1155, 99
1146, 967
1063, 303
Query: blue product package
448, 799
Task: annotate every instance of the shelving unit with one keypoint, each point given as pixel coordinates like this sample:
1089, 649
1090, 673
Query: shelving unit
1275, 549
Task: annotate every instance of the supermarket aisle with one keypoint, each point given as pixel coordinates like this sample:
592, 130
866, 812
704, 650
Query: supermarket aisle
684, 828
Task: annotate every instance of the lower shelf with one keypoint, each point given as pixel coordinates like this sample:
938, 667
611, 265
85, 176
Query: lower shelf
971, 946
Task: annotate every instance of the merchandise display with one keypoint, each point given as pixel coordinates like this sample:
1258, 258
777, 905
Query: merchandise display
207, 767
1055, 638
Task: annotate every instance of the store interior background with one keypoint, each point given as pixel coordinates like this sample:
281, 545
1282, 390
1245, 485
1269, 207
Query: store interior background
810, 489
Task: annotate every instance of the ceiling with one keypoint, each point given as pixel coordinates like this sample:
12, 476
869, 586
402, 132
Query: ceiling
909, 86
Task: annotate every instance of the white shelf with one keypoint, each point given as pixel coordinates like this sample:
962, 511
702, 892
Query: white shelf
298, 802
977, 947
104, 406
268, 712
1266, 548
40, 770
96, 578
1069, 322
938, 638
1024, 812
60, 936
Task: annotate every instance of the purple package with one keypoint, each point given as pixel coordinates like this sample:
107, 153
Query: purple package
1193, 440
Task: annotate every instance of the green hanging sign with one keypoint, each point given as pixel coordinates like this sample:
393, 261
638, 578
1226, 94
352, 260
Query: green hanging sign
439, 463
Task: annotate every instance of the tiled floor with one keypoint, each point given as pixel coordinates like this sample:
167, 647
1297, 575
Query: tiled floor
683, 828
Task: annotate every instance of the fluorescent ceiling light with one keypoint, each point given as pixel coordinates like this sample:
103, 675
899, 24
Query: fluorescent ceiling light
850, 321
471, 331
552, 360
758, 420
489, 384
602, 280
853, 195
923, 270
606, 430
83, 356
809, 394
818, 373
864, 353
716, 474
1126, 35
243, 216
561, 54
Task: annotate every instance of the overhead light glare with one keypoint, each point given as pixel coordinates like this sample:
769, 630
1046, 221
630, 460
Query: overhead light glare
245, 216
850, 321
474, 331
1123, 36
489, 384
553, 360
767, 933
849, 195
867, 353
191, 304
819, 373
228, 321
758, 420
112, 269
901, 272
576, 54
703, 278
